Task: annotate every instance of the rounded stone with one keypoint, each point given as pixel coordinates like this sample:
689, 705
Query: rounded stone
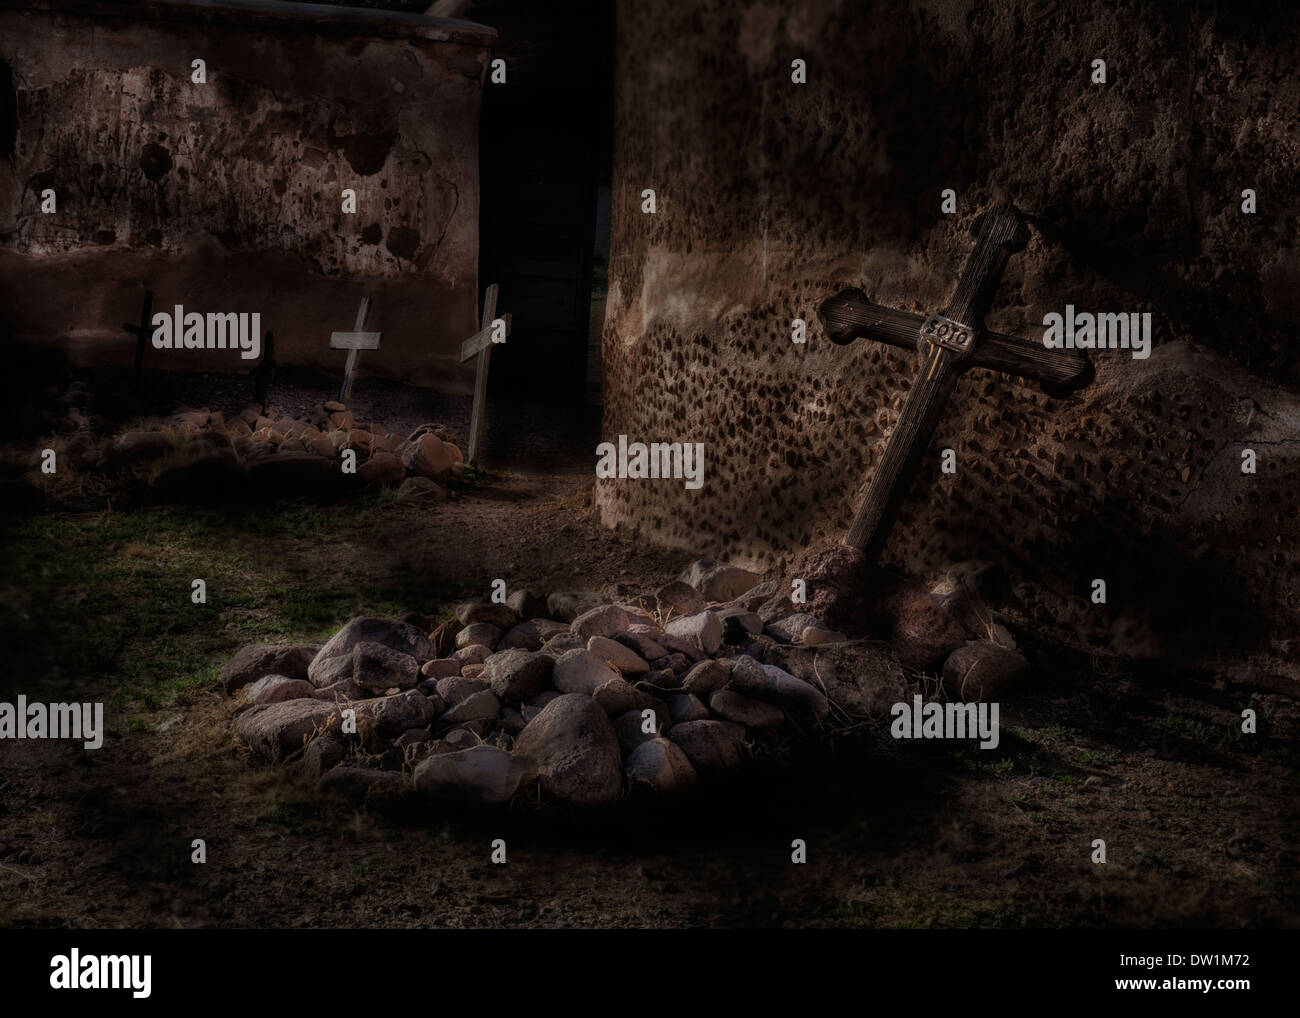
378, 668
660, 765
516, 675
982, 671
616, 655
482, 774
478, 633
605, 620
277, 688
499, 615
711, 746
334, 661
580, 671
576, 750
732, 706
702, 631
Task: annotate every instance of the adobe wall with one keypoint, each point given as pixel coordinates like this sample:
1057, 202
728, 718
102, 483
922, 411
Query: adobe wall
226, 196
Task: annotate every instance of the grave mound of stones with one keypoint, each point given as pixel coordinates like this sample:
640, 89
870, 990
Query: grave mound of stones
264, 448
585, 698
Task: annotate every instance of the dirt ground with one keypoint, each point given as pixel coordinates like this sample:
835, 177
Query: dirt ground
1199, 819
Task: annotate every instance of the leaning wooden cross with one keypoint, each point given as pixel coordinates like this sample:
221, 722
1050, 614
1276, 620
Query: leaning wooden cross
491, 330
352, 342
141, 332
950, 344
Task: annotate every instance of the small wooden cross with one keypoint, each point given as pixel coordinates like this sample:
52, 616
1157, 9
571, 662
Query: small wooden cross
142, 332
950, 344
480, 345
352, 342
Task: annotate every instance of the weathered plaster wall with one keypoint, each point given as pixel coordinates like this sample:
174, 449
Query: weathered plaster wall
772, 196
226, 196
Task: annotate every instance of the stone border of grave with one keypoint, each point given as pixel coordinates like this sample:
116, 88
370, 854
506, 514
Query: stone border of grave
200, 450
588, 697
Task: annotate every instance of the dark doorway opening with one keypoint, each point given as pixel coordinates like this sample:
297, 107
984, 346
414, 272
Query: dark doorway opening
545, 144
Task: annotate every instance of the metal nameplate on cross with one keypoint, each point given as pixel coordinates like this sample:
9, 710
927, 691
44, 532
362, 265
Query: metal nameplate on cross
491, 330
353, 342
951, 343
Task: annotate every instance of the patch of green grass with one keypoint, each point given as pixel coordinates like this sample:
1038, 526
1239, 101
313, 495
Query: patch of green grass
1016, 751
319, 610
292, 520
1216, 737
471, 475
291, 811
103, 600
167, 676
1097, 757
309, 610
1019, 737
997, 766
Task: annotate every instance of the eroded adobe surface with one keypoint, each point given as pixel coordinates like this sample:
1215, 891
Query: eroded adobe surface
772, 196
227, 196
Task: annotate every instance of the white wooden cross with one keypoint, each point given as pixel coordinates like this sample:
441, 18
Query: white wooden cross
353, 342
492, 330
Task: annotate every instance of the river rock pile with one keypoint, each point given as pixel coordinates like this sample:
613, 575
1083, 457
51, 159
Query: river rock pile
588, 696
198, 449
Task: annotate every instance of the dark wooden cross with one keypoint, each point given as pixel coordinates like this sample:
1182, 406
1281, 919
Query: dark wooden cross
950, 344
480, 345
142, 332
